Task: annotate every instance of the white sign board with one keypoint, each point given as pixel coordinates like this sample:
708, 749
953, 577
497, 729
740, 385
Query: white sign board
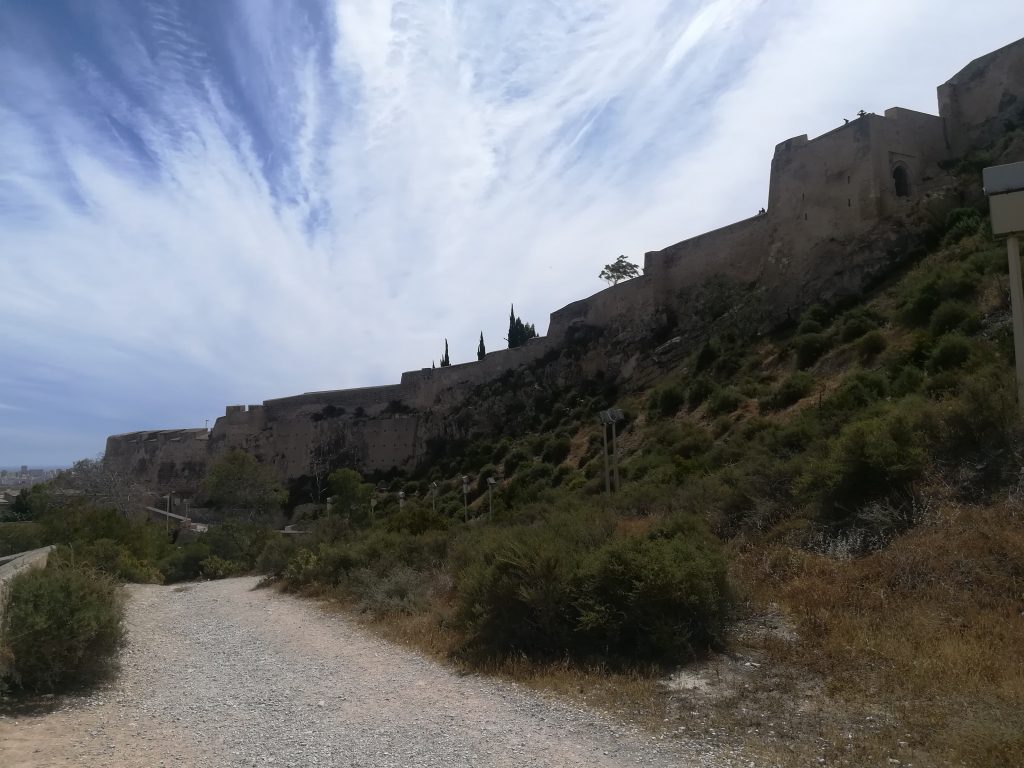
1004, 184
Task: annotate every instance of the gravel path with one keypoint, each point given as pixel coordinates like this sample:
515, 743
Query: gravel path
220, 674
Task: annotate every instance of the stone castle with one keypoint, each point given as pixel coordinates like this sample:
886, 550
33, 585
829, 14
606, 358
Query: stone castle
839, 210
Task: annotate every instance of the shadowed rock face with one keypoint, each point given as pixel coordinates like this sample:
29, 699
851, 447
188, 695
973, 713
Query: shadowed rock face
844, 208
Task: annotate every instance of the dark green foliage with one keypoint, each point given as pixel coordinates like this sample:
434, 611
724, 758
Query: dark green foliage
855, 324
566, 587
481, 350
557, 450
667, 401
278, 551
874, 458
109, 557
961, 223
184, 563
660, 599
519, 332
951, 351
705, 357
952, 316
908, 381
62, 628
20, 537
791, 390
514, 460
931, 284
699, 391
724, 400
870, 345
809, 347
809, 326
238, 484
445, 359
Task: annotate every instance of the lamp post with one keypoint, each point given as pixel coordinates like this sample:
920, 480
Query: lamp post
490, 502
465, 495
610, 418
1004, 185
401, 499
433, 497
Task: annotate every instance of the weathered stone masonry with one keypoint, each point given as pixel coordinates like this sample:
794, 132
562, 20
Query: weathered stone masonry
833, 204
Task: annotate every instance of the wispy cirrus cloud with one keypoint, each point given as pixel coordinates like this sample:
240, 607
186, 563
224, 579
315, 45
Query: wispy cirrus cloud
208, 203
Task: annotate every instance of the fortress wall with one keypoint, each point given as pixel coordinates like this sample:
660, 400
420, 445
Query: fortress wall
734, 252
390, 442
980, 100
238, 424
369, 398
833, 221
826, 187
916, 141
172, 459
609, 308
423, 386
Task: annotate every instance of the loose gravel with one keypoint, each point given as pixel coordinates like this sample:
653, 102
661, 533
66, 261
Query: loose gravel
222, 674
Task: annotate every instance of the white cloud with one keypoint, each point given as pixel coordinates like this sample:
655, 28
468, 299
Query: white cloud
321, 198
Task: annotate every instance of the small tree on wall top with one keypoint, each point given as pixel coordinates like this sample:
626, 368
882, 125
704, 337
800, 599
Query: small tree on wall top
619, 270
445, 360
481, 350
518, 332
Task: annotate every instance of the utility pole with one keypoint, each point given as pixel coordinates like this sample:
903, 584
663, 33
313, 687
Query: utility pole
610, 418
1004, 184
604, 440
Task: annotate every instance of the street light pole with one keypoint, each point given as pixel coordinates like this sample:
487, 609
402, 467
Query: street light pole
490, 501
465, 495
607, 474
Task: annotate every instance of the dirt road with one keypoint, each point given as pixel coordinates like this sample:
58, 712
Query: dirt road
220, 674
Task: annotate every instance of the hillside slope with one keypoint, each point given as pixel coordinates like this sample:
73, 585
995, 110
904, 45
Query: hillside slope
855, 476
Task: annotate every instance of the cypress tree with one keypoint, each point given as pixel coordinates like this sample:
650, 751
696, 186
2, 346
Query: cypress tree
480, 349
445, 361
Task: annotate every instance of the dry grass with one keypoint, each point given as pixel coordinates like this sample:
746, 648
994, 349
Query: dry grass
913, 655
926, 636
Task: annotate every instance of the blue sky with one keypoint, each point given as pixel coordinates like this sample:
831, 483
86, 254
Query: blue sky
205, 203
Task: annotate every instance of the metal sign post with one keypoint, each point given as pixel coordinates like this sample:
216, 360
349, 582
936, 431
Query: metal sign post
1004, 184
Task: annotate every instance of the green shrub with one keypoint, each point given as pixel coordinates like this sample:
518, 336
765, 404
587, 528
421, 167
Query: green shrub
21, 537
875, 457
809, 326
661, 599
952, 316
515, 460
698, 391
303, 569
62, 627
855, 324
557, 450
667, 401
791, 390
809, 347
399, 591
183, 564
871, 344
110, 557
724, 401
215, 567
950, 352
274, 558
961, 223
908, 381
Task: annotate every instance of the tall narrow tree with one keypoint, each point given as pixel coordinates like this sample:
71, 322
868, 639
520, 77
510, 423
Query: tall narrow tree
481, 350
445, 360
